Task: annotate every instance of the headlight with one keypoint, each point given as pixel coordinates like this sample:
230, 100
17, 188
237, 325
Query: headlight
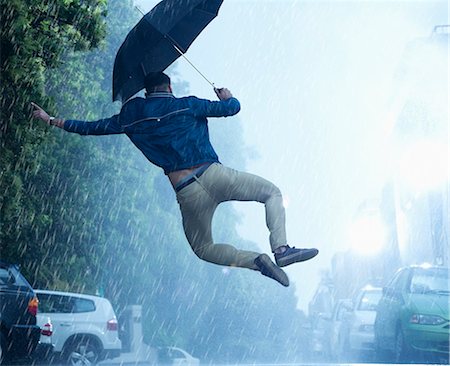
426, 319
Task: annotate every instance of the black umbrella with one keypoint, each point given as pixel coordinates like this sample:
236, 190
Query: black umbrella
160, 37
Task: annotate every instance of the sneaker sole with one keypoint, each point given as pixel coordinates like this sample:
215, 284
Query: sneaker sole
294, 258
270, 269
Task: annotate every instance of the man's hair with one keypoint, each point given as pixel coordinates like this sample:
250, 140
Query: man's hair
155, 80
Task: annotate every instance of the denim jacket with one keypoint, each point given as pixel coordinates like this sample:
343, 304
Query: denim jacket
171, 132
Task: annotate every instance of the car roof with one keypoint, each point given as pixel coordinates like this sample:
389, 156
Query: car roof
6, 264
73, 294
369, 288
424, 266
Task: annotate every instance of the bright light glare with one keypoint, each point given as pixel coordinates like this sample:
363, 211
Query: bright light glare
424, 165
367, 235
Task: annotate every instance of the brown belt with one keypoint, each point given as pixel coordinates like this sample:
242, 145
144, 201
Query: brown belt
185, 182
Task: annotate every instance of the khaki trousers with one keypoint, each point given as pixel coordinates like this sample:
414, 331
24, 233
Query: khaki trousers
199, 200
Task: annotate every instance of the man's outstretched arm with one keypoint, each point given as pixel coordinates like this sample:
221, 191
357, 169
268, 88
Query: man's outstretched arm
226, 106
106, 126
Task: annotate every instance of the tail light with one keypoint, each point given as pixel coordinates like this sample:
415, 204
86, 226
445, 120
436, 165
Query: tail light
47, 329
33, 306
112, 324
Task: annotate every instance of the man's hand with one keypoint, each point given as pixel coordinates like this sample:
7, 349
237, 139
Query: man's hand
223, 93
39, 113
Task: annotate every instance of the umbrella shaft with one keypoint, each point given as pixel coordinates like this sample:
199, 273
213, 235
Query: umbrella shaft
182, 54
190, 63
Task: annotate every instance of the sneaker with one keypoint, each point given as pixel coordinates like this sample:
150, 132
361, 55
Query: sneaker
270, 269
294, 255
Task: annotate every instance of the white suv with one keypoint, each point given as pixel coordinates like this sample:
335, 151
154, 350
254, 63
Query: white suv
85, 329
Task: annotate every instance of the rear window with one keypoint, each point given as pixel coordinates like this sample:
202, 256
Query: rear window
369, 301
50, 303
9, 277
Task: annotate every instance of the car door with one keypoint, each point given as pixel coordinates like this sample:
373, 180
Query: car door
339, 328
384, 316
389, 309
70, 315
60, 310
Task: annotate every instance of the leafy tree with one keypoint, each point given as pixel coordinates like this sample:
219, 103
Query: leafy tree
34, 36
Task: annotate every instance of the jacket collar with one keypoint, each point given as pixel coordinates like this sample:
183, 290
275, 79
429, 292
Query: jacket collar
160, 95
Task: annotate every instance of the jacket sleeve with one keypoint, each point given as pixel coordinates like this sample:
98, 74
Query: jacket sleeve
221, 108
106, 126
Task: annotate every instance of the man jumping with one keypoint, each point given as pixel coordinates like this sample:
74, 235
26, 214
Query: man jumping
173, 134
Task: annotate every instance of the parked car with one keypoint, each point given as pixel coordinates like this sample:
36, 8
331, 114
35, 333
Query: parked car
19, 333
336, 335
320, 311
176, 357
357, 329
320, 347
412, 319
85, 329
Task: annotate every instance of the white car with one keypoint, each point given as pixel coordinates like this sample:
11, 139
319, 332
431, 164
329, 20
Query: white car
337, 335
358, 328
176, 357
85, 329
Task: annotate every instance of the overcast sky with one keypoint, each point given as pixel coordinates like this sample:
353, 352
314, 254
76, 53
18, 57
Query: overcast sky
314, 79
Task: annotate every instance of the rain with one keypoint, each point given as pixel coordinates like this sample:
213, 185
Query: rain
344, 106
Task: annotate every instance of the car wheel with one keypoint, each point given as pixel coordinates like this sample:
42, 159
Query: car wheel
83, 352
381, 355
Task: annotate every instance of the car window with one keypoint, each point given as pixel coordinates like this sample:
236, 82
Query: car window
394, 280
10, 279
341, 312
83, 305
174, 353
6, 277
369, 300
52, 303
425, 280
400, 280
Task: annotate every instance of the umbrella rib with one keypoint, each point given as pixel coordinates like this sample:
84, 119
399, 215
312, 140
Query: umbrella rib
128, 80
180, 52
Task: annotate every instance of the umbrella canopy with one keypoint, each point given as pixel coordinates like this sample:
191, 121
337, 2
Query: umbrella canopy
160, 37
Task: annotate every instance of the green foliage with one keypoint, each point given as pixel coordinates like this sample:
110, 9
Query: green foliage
34, 35
90, 214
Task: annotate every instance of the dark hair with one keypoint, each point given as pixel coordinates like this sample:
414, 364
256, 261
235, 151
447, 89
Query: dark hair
154, 80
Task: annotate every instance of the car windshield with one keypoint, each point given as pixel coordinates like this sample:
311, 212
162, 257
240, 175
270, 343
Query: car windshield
10, 278
369, 300
430, 280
